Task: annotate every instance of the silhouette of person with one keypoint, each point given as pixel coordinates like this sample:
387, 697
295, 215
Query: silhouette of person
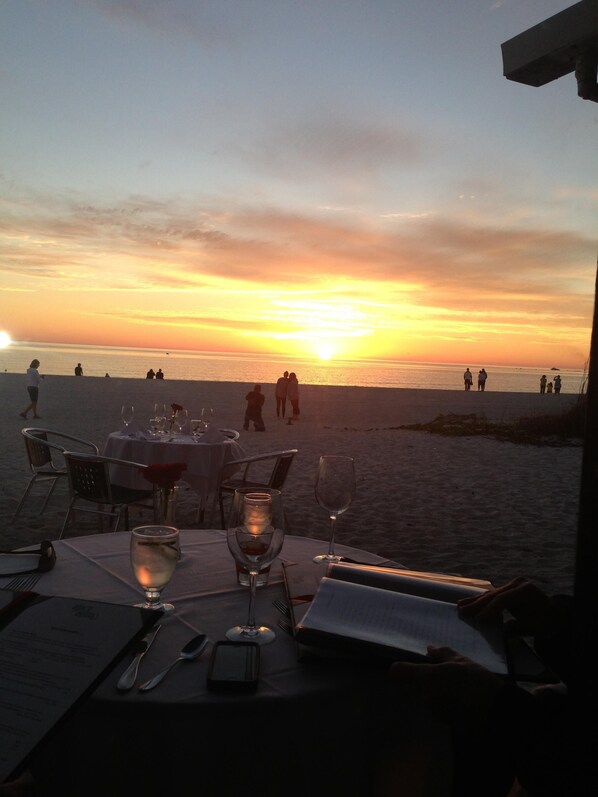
78, 370
543, 383
549, 387
150, 374
33, 380
159, 374
468, 379
255, 401
293, 395
482, 376
557, 384
280, 393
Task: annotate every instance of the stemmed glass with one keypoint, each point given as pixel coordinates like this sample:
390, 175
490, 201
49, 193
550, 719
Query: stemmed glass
335, 490
160, 416
255, 536
154, 554
180, 419
207, 416
126, 413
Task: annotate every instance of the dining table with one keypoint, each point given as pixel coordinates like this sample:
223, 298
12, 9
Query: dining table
315, 724
204, 455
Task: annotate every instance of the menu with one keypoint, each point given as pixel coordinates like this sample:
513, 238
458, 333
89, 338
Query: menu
53, 652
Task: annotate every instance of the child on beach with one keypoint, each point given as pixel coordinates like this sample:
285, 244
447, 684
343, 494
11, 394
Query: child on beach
549, 387
33, 380
255, 401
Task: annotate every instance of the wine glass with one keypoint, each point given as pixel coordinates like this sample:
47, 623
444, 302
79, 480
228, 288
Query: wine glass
207, 416
160, 416
154, 554
180, 420
126, 413
335, 490
255, 536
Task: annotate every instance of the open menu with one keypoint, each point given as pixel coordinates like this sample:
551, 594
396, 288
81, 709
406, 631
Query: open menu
398, 613
53, 652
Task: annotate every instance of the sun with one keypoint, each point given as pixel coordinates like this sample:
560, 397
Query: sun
4, 339
325, 352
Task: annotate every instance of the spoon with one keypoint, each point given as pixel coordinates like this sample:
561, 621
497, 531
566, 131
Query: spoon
191, 651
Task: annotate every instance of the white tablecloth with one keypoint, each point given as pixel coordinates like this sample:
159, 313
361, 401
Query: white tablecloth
204, 460
291, 737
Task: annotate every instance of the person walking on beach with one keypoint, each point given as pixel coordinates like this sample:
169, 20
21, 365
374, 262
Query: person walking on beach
78, 370
255, 401
482, 376
543, 383
468, 379
281, 394
293, 395
557, 384
33, 380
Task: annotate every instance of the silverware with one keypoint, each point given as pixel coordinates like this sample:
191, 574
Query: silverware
191, 651
129, 676
286, 627
282, 607
23, 583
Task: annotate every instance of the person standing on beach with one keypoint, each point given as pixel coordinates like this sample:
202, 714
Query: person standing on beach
468, 379
482, 376
78, 370
159, 374
293, 395
543, 383
255, 401
557, 384
33, 380
281, 394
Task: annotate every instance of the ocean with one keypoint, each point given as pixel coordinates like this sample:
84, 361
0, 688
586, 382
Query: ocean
131, 363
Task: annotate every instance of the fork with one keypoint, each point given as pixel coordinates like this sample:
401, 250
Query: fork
22, 583
286, 627
282, 607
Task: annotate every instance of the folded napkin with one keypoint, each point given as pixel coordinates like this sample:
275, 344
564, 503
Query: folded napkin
213, 435
136, 430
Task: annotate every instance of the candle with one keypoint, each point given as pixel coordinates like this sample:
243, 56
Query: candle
257, 512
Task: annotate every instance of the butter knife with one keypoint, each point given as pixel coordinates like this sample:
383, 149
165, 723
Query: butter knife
127, 679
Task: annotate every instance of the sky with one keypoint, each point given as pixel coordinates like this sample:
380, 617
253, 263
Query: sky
336, 178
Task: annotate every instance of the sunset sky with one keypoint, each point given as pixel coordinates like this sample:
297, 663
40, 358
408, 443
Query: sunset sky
330, 177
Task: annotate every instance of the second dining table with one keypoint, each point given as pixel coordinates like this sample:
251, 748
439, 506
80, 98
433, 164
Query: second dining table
204, 455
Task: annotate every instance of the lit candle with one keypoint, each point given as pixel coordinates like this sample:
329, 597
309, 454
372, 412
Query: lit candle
257, 512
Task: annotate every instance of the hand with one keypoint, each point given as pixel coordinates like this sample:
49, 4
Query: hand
451, 686
528, 604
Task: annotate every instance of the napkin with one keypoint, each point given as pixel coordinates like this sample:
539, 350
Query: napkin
213, 435
136, 430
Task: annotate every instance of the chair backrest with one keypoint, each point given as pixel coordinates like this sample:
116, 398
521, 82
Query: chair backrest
232, 434
281, 469
89, 477
39, 452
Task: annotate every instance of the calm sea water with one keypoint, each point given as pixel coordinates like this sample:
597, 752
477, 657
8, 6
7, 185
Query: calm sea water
248, 368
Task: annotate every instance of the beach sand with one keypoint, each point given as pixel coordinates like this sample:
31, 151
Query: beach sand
468, 505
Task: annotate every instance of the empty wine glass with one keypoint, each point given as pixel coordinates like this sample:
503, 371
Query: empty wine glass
335, 490
207, 416
180, 420
154, 554
255, 536
160, 416
126, 413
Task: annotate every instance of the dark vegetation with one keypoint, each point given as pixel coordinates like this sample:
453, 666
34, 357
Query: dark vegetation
565, 429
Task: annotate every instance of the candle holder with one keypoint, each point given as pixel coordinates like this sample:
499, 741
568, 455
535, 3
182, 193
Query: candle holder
257, 515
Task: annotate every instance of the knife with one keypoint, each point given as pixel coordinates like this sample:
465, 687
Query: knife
127, 679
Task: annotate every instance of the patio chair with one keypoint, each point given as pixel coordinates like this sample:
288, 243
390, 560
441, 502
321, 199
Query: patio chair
40, 445
89, 483
232, 434
262, 470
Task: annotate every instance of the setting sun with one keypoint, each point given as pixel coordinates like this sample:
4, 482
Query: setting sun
325, 352
4, 339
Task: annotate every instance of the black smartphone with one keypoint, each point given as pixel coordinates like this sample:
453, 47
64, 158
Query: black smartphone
234, 666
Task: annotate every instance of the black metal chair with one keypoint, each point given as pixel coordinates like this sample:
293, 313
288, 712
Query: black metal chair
41, 445
89, 483
262, 470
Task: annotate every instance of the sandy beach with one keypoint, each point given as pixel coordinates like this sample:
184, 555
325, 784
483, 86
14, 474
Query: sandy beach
469, 505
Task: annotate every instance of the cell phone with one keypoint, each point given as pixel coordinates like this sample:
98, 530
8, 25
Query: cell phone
234, 666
